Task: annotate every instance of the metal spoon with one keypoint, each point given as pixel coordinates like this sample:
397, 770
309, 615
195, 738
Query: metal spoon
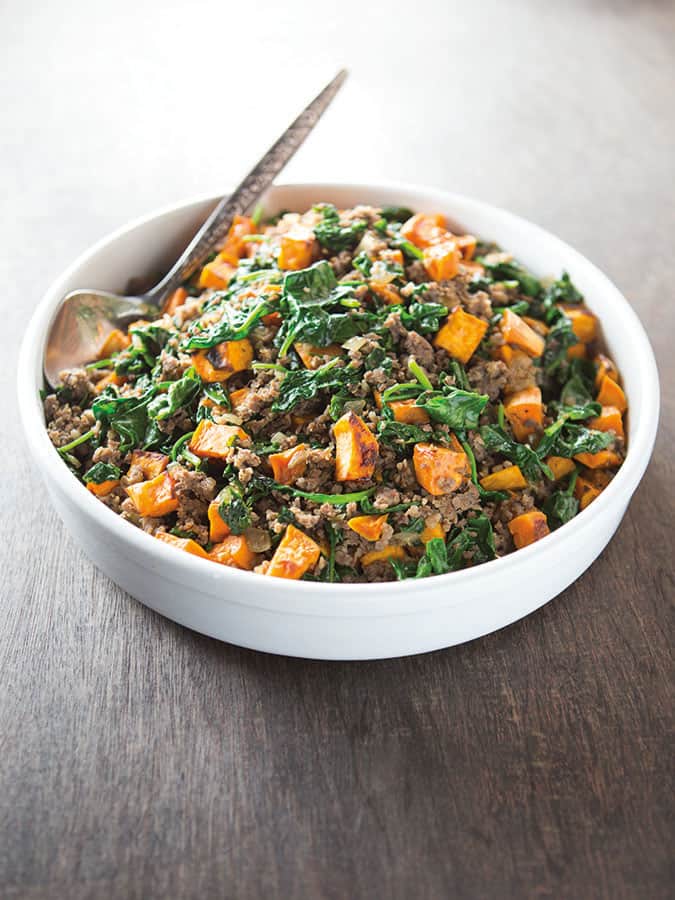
85, 317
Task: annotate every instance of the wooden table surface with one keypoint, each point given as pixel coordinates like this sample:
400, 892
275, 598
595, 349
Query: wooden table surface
140, 760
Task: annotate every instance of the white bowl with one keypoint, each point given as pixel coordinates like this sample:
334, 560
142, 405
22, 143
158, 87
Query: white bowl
358, 621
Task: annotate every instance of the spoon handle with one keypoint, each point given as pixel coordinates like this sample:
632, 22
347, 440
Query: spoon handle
257, 181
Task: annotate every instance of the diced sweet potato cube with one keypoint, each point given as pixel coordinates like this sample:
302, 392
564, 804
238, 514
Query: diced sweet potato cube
233, 551
611, 394
608, 420
605, 367
289, 464
155, 497
356, 448
117, 340
213, 441
392, 256
369, 527
423, 230
222, 361
237, 397
297, 248
273, 318
174, 300
518, 333
112, 378
312, 357
466, 244
525, 412
603, 459
296, 554
560, 466
385, 291
509, 479
461, 335
149, 462
584, 323
407, 411
216, 274
235, 245
104, 488
429, 532
442, 260
186, 544
373, 556
528, 528
577, 351
536, 325
585, 492
218, 529
440, 470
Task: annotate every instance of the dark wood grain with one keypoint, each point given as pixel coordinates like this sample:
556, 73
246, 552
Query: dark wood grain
140, 760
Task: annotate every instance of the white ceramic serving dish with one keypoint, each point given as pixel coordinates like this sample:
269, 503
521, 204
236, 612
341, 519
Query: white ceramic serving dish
326, 621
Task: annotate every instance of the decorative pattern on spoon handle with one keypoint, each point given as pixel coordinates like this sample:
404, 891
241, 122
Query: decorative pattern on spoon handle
215, 228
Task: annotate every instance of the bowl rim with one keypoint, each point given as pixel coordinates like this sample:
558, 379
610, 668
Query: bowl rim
189, 569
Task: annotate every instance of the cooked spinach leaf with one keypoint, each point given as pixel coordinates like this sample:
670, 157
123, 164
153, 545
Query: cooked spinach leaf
179, 395
234, 325
101, 472
521, 455
558, 341
425, 318
562, 506
457, 408
513, 271
336, 237
304, 384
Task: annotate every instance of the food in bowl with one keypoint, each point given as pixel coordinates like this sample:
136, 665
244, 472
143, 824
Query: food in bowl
349, 395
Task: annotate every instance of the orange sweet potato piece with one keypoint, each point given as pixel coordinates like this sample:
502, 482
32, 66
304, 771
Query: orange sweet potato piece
424, 229
518, 333
174, 300
297, 248
440, 470
237, 397
466, 244
584, 323
372, 556
560, 466
525, 412
356, 448
461, 335
608, 420
385, 292
235, 245
312, 357
289, 464
369, 527
295, 555
104, 488
233, 551
577, 351
605, 367
149, 462
112, 378
155, 497
407, 411
509, 479
610, 394
273, 318
441, 260
213, 441
585, 492
218, 529
222, 361
216, 274
528, 528
603, 459
429, 532
186, 544
117, 340
536, 325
